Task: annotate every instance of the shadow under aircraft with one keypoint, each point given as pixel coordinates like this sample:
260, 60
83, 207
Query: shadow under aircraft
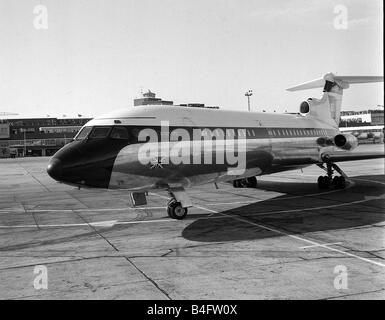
301, 210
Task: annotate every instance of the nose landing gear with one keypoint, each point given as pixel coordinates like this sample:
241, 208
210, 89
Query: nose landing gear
177, 206
325, 182
175, 210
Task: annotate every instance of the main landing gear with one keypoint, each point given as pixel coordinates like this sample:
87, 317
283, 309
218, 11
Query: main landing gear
250, 182
325, 182
177, 206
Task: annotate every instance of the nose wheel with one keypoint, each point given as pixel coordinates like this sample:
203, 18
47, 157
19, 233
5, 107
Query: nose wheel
175, 210
180, 201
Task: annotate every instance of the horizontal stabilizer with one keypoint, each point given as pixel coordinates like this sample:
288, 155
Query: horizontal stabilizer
343, 81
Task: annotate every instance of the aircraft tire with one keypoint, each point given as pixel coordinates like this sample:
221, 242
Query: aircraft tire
323, 182
176, 211
342, 183
339, 182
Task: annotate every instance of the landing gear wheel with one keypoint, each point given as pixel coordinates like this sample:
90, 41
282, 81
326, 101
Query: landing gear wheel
323, 182
175, 210
339, 182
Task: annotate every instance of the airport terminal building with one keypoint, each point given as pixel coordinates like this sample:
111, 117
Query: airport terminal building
374, 117
45, 136
367, 125
36, 136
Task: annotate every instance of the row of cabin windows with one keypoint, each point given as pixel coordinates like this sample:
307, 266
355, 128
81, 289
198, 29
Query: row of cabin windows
271, 132
296, 132
120, 132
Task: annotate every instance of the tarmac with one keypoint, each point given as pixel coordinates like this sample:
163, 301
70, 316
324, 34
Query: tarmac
284, 240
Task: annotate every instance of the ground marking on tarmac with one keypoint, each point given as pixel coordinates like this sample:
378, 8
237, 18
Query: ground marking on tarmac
324, 244
116, 222
165, 197
111, 223
297, 237
375, 181
82, 210
108, 223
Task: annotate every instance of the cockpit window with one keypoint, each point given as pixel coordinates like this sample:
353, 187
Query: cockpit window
99, 132
83, 133
119, 133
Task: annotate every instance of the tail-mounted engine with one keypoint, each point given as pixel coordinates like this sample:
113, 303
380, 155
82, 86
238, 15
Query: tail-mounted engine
304, 107
345, 141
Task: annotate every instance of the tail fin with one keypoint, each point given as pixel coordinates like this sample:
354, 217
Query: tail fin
329, 107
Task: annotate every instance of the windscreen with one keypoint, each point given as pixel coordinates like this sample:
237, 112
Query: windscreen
99, 132
119, 133
83, 133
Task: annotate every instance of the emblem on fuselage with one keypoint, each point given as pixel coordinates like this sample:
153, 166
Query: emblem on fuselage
157, 162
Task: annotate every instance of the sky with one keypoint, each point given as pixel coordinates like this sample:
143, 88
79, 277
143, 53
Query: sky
97, 55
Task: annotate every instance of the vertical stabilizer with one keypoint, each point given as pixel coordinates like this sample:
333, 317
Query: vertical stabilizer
328, 108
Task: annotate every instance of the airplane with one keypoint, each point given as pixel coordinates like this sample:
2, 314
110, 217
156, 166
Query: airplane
173, 148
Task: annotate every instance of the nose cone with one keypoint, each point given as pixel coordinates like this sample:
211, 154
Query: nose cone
55, 169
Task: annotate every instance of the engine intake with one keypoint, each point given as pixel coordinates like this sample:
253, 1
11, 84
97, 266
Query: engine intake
345, 141
304, 107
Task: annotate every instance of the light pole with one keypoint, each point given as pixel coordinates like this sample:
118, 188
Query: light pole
25, 142
248, 94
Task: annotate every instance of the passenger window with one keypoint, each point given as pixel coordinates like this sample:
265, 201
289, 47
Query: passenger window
119, 133
100, 132
83, 133
230, 133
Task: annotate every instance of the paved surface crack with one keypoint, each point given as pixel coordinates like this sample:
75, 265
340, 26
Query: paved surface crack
127, 258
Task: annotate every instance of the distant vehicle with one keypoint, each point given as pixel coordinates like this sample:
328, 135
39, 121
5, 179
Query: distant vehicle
173, 148
12, 152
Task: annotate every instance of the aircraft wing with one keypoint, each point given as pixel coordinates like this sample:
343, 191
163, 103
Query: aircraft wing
339, 156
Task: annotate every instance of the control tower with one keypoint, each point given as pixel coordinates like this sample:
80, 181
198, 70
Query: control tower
149, 98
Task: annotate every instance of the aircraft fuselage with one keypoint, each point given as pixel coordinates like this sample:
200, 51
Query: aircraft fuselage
158, 146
